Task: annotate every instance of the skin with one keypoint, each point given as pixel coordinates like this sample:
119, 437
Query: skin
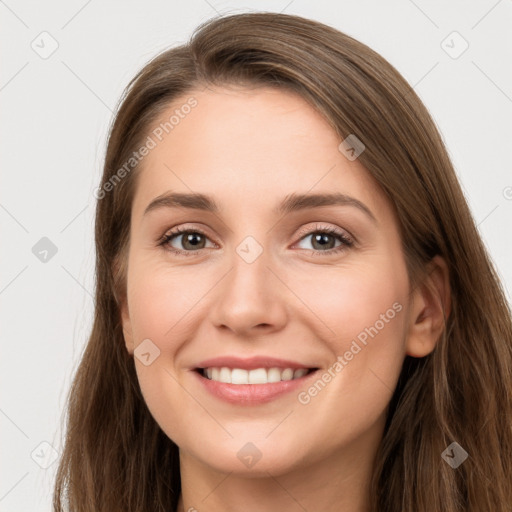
249, 148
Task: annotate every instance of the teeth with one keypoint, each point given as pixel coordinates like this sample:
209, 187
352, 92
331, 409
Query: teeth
257, 376
273, 375
239, 376
287, 374
225, 375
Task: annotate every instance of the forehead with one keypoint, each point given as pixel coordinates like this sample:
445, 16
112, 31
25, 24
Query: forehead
248, 147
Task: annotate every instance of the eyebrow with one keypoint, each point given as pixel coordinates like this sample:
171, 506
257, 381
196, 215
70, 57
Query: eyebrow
291, 203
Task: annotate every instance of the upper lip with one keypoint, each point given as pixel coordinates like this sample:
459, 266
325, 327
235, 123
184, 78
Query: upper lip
250, 363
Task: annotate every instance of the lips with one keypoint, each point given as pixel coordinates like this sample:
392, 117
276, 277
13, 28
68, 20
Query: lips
253, 380
251, 363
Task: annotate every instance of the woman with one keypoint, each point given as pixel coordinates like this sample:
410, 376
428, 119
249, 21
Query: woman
294, 309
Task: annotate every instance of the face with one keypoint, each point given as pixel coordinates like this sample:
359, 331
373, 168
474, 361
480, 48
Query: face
269, 333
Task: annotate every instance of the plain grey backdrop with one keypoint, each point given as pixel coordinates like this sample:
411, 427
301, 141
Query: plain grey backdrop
64, 66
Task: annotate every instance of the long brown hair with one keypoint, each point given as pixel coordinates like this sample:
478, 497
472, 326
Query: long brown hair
116, 458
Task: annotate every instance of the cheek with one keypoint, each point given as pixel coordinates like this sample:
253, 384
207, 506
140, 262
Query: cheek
164, 304
362, 312
361, 302
159, 301
162, 299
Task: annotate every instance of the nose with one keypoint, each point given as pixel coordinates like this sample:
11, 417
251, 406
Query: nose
251, 299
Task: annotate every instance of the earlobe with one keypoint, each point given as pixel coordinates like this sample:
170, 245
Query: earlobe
429, 310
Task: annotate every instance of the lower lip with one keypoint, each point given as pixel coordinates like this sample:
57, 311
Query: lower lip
249, 394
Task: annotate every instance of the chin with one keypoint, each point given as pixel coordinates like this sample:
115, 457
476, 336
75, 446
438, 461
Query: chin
251, 459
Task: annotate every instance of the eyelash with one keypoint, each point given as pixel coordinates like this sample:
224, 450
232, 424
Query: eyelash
346, 242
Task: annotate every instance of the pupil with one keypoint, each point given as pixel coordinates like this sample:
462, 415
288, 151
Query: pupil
322, 239
192, 238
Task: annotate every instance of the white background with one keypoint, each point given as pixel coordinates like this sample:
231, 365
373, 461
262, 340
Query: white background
55, 116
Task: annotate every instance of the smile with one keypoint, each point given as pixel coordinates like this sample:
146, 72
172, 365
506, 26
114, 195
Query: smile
251, 381
239, 376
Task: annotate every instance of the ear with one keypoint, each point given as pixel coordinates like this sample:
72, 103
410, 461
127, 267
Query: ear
430, 308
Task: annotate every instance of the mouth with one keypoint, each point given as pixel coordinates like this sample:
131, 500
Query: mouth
252, 381
240, 376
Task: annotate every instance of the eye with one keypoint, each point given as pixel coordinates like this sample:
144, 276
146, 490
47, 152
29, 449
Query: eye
323, 238
192, 240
